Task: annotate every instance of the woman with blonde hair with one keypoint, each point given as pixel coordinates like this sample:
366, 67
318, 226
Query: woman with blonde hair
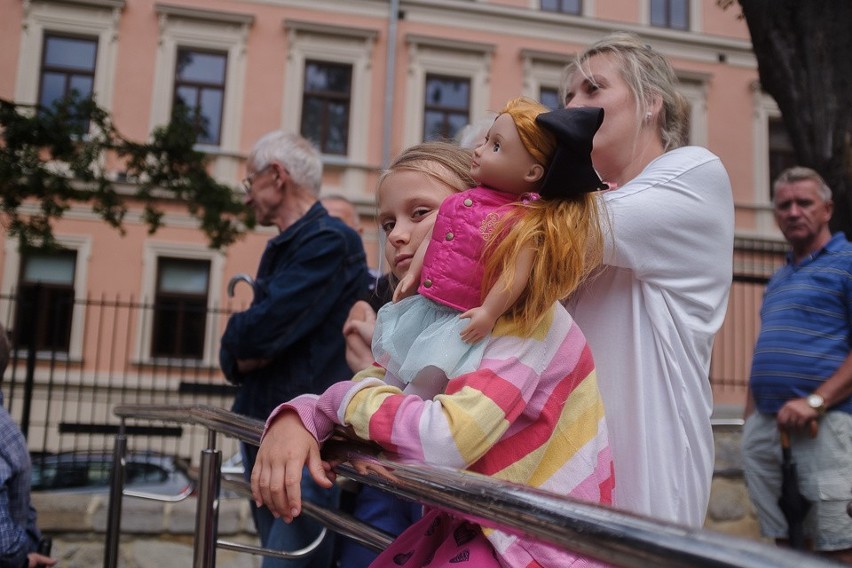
652, 312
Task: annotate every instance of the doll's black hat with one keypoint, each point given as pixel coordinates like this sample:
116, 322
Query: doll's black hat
570, 171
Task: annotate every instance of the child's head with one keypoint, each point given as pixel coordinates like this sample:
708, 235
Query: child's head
410, 192
516, 151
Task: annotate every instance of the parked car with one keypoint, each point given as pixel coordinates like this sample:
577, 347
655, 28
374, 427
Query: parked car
234, 465
81, 472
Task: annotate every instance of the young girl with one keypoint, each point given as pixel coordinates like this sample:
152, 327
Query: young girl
528, 252
530, 414
410, 190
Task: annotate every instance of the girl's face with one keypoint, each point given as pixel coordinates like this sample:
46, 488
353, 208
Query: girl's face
408, 202
602, 86
502, 162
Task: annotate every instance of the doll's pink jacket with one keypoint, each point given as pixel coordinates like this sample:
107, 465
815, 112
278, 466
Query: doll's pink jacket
453, 268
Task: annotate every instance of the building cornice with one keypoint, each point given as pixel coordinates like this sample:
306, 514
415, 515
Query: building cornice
217, 16
454, 44
577, 29
111, 4
329, 29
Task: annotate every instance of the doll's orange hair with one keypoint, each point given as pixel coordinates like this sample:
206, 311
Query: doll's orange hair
565, 233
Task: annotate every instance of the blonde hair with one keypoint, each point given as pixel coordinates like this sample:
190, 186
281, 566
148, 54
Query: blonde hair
565, 233
443, 161
648, 75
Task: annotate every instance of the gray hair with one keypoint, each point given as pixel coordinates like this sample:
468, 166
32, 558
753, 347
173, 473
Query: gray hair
649, 75
800, 173
298, 155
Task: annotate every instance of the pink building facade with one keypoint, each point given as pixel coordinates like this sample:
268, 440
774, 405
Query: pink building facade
364, 79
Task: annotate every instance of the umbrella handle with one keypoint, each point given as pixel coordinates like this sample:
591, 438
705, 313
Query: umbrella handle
785, 439
784, 434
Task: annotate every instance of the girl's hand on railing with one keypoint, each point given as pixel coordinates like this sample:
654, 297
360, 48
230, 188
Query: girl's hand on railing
277, 475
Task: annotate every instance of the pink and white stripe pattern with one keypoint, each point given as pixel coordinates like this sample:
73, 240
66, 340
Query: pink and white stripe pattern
531, 414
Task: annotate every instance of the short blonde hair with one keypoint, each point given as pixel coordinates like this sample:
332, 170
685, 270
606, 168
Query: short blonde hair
648, 75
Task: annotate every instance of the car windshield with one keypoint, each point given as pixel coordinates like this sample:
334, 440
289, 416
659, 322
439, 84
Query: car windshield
82, 471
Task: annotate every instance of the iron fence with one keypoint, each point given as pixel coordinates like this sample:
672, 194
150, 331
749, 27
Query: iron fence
754, 262
63, 399
63, 395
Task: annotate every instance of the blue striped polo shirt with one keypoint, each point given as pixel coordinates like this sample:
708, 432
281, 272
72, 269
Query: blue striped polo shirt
806, 327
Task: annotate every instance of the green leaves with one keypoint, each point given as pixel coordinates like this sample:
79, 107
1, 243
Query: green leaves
52, 158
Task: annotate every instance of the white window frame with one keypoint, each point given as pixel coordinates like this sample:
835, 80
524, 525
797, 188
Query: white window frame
195, 28
310, 41
82, 246
765, 108
152, 251
446, 57
543, 69
92, 18
693, 86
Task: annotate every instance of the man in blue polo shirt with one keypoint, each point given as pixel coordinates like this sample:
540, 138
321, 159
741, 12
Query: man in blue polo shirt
801, 375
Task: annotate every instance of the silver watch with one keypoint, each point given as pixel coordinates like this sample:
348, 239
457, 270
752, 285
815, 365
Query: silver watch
816, 402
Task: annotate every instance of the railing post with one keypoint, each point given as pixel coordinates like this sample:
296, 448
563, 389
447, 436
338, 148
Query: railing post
32, 348
116, 490
207, 508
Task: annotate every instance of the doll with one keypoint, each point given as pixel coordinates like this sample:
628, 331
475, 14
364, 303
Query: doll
521, 240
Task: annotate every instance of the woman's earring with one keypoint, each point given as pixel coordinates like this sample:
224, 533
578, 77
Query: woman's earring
648, 116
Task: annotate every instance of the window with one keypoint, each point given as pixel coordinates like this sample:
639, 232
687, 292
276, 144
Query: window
549, 97
440, 104
447, 107
182, 284
68, 66
325, 106
543, 75
781, 153
693, 86
46, 300
80, 37
180, 308
563, 6
328, 88
201, 58
200, 86
672, 14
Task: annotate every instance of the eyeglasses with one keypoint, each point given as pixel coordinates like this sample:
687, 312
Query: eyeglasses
249, 180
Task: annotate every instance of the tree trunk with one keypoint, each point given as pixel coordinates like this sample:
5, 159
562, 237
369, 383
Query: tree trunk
804, 56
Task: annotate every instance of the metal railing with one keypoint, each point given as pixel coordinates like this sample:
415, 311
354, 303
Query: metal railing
602, 533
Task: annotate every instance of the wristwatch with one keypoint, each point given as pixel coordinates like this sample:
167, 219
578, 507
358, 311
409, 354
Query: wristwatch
816, 402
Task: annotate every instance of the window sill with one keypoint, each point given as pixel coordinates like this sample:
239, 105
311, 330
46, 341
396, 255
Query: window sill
174, 363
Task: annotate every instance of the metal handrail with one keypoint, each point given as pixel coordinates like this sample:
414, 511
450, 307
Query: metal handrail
603, 533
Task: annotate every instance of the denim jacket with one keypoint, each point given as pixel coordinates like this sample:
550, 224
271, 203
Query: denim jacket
309, 277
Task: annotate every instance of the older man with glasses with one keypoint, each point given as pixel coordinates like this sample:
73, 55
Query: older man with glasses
289, 341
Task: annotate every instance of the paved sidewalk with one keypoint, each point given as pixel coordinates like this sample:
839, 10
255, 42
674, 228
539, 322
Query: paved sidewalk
154, 534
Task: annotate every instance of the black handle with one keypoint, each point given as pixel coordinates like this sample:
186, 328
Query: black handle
44, 546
